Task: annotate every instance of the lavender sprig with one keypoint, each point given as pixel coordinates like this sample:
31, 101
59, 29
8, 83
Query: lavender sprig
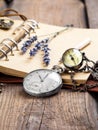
28, 43
37, 47
42, 45
46, 58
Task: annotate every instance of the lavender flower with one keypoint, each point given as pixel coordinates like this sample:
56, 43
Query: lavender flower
42, 45
28, 43
35, 49
46, 50
33, 52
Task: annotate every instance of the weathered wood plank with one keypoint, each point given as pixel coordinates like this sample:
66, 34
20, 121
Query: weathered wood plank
2, 5
65, 111
53, 12
92, 13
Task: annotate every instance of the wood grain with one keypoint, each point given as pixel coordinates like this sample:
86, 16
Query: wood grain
53, 12
65, 111
92, 13
2, 5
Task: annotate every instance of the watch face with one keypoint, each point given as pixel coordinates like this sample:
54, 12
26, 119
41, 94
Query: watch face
72, 58
42, 82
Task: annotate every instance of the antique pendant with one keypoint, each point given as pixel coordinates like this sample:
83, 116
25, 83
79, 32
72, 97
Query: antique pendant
5, 23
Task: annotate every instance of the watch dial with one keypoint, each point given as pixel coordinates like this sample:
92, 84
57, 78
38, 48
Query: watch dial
42, 82
72, 58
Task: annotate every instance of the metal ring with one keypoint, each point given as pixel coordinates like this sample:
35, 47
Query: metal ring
4, 53
33, 22
15, 43
26, 30
9, 48
7, 45
31, 26
58, 69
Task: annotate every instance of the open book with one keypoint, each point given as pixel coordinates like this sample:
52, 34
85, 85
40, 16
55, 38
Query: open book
21, 64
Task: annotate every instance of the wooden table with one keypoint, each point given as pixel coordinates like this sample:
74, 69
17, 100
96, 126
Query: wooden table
67, 110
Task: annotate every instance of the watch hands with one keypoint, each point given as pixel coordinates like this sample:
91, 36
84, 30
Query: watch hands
45, 76
72, 58
40, 77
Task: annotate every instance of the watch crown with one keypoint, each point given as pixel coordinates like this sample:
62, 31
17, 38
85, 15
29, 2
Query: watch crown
58, 69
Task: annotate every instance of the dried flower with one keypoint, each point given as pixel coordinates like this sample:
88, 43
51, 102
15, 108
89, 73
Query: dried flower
28, 43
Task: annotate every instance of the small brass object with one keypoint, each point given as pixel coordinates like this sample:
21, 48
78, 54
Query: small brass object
5, 23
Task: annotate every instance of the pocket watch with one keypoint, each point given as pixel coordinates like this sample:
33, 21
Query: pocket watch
72, 59
42, 82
